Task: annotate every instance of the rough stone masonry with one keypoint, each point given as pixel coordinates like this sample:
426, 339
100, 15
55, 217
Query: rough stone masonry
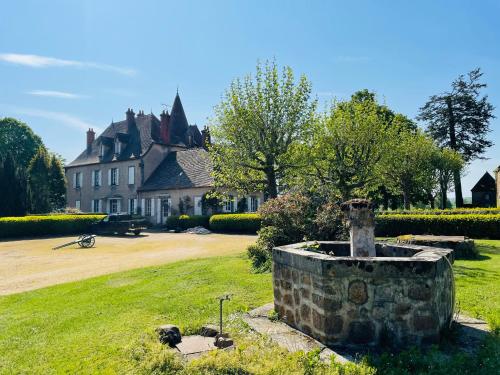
402, 296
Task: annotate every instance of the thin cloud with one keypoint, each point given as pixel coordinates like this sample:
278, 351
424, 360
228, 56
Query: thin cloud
120, 92
56, 94
351, 59
36, 61
62, 118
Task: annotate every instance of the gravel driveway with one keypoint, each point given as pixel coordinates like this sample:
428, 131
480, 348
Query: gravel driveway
31, 264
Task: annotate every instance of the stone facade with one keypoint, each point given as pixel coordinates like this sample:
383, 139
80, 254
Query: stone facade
146, 165
401, 297
86, 191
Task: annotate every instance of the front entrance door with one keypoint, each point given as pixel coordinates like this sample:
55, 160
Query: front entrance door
166, 209
197, 206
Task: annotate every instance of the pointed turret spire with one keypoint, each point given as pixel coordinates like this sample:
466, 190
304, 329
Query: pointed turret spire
178, 121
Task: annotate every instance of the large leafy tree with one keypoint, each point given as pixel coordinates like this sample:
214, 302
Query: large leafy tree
408, 167
446, 163
348, 146
398, 122
19, 140
259, 127
459, 119
38, 183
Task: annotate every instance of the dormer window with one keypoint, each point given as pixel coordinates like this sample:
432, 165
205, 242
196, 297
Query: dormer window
101, 150
118, 147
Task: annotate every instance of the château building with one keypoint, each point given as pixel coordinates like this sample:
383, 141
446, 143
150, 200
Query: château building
155, 167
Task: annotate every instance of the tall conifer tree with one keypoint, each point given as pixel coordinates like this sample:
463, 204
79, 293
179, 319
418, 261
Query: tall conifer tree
459, 119
38, 182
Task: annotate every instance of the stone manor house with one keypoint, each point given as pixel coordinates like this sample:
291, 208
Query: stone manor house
156, 167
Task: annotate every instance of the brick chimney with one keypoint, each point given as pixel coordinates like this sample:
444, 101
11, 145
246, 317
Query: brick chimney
90, 138
206, 140
164, 127
130, 120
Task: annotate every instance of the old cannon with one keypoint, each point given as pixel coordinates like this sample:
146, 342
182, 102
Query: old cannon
85, 241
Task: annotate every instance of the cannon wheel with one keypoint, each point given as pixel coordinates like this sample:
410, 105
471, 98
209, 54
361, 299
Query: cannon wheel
86, 241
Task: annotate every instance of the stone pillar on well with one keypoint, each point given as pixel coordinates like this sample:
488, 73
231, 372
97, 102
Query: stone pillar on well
361, 218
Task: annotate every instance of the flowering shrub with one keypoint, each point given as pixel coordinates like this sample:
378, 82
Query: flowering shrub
291, 218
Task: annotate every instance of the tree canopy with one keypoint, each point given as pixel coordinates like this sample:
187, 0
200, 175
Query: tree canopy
17, 139
31, 179
459, 119
261, 123
348, 145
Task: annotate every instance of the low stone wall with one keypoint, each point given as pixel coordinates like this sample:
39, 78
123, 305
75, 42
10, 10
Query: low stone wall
401, 297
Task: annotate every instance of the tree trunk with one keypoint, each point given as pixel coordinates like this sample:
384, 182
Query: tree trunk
432, 201
385, 199
272, 189
444, 198
406, 200
459, 200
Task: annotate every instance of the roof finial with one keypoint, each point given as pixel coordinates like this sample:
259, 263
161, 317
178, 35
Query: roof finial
177, 89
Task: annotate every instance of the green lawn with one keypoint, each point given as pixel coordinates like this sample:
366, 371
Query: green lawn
478, 283
87, 326
98, 325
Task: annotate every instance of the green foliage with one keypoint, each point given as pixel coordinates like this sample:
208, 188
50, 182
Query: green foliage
252, 356
408, 167
470, 225
450, 211
434, 362
38, 182
211, 202
235, 223
348, 146
28, 226
184, 222
17, 139
13, 188
258, 128
291, 218
445, 163
459, 120
57, 184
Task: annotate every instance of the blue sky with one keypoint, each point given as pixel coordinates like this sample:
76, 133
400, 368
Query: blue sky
68, 65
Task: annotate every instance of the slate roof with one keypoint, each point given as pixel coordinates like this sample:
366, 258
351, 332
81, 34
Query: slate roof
136, 141
178, 122
485, 184
182, 169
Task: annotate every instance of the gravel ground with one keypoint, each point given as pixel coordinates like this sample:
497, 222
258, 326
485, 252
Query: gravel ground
31, 264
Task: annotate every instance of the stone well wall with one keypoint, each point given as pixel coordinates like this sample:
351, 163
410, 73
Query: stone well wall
401, 297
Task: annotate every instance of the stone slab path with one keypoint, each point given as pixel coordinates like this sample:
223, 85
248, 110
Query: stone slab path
194, 346
470, 334
287, 337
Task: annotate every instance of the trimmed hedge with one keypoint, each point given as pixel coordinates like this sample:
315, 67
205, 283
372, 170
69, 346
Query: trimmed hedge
235, 223
473, 226
27, 226
452, 211
184, 222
